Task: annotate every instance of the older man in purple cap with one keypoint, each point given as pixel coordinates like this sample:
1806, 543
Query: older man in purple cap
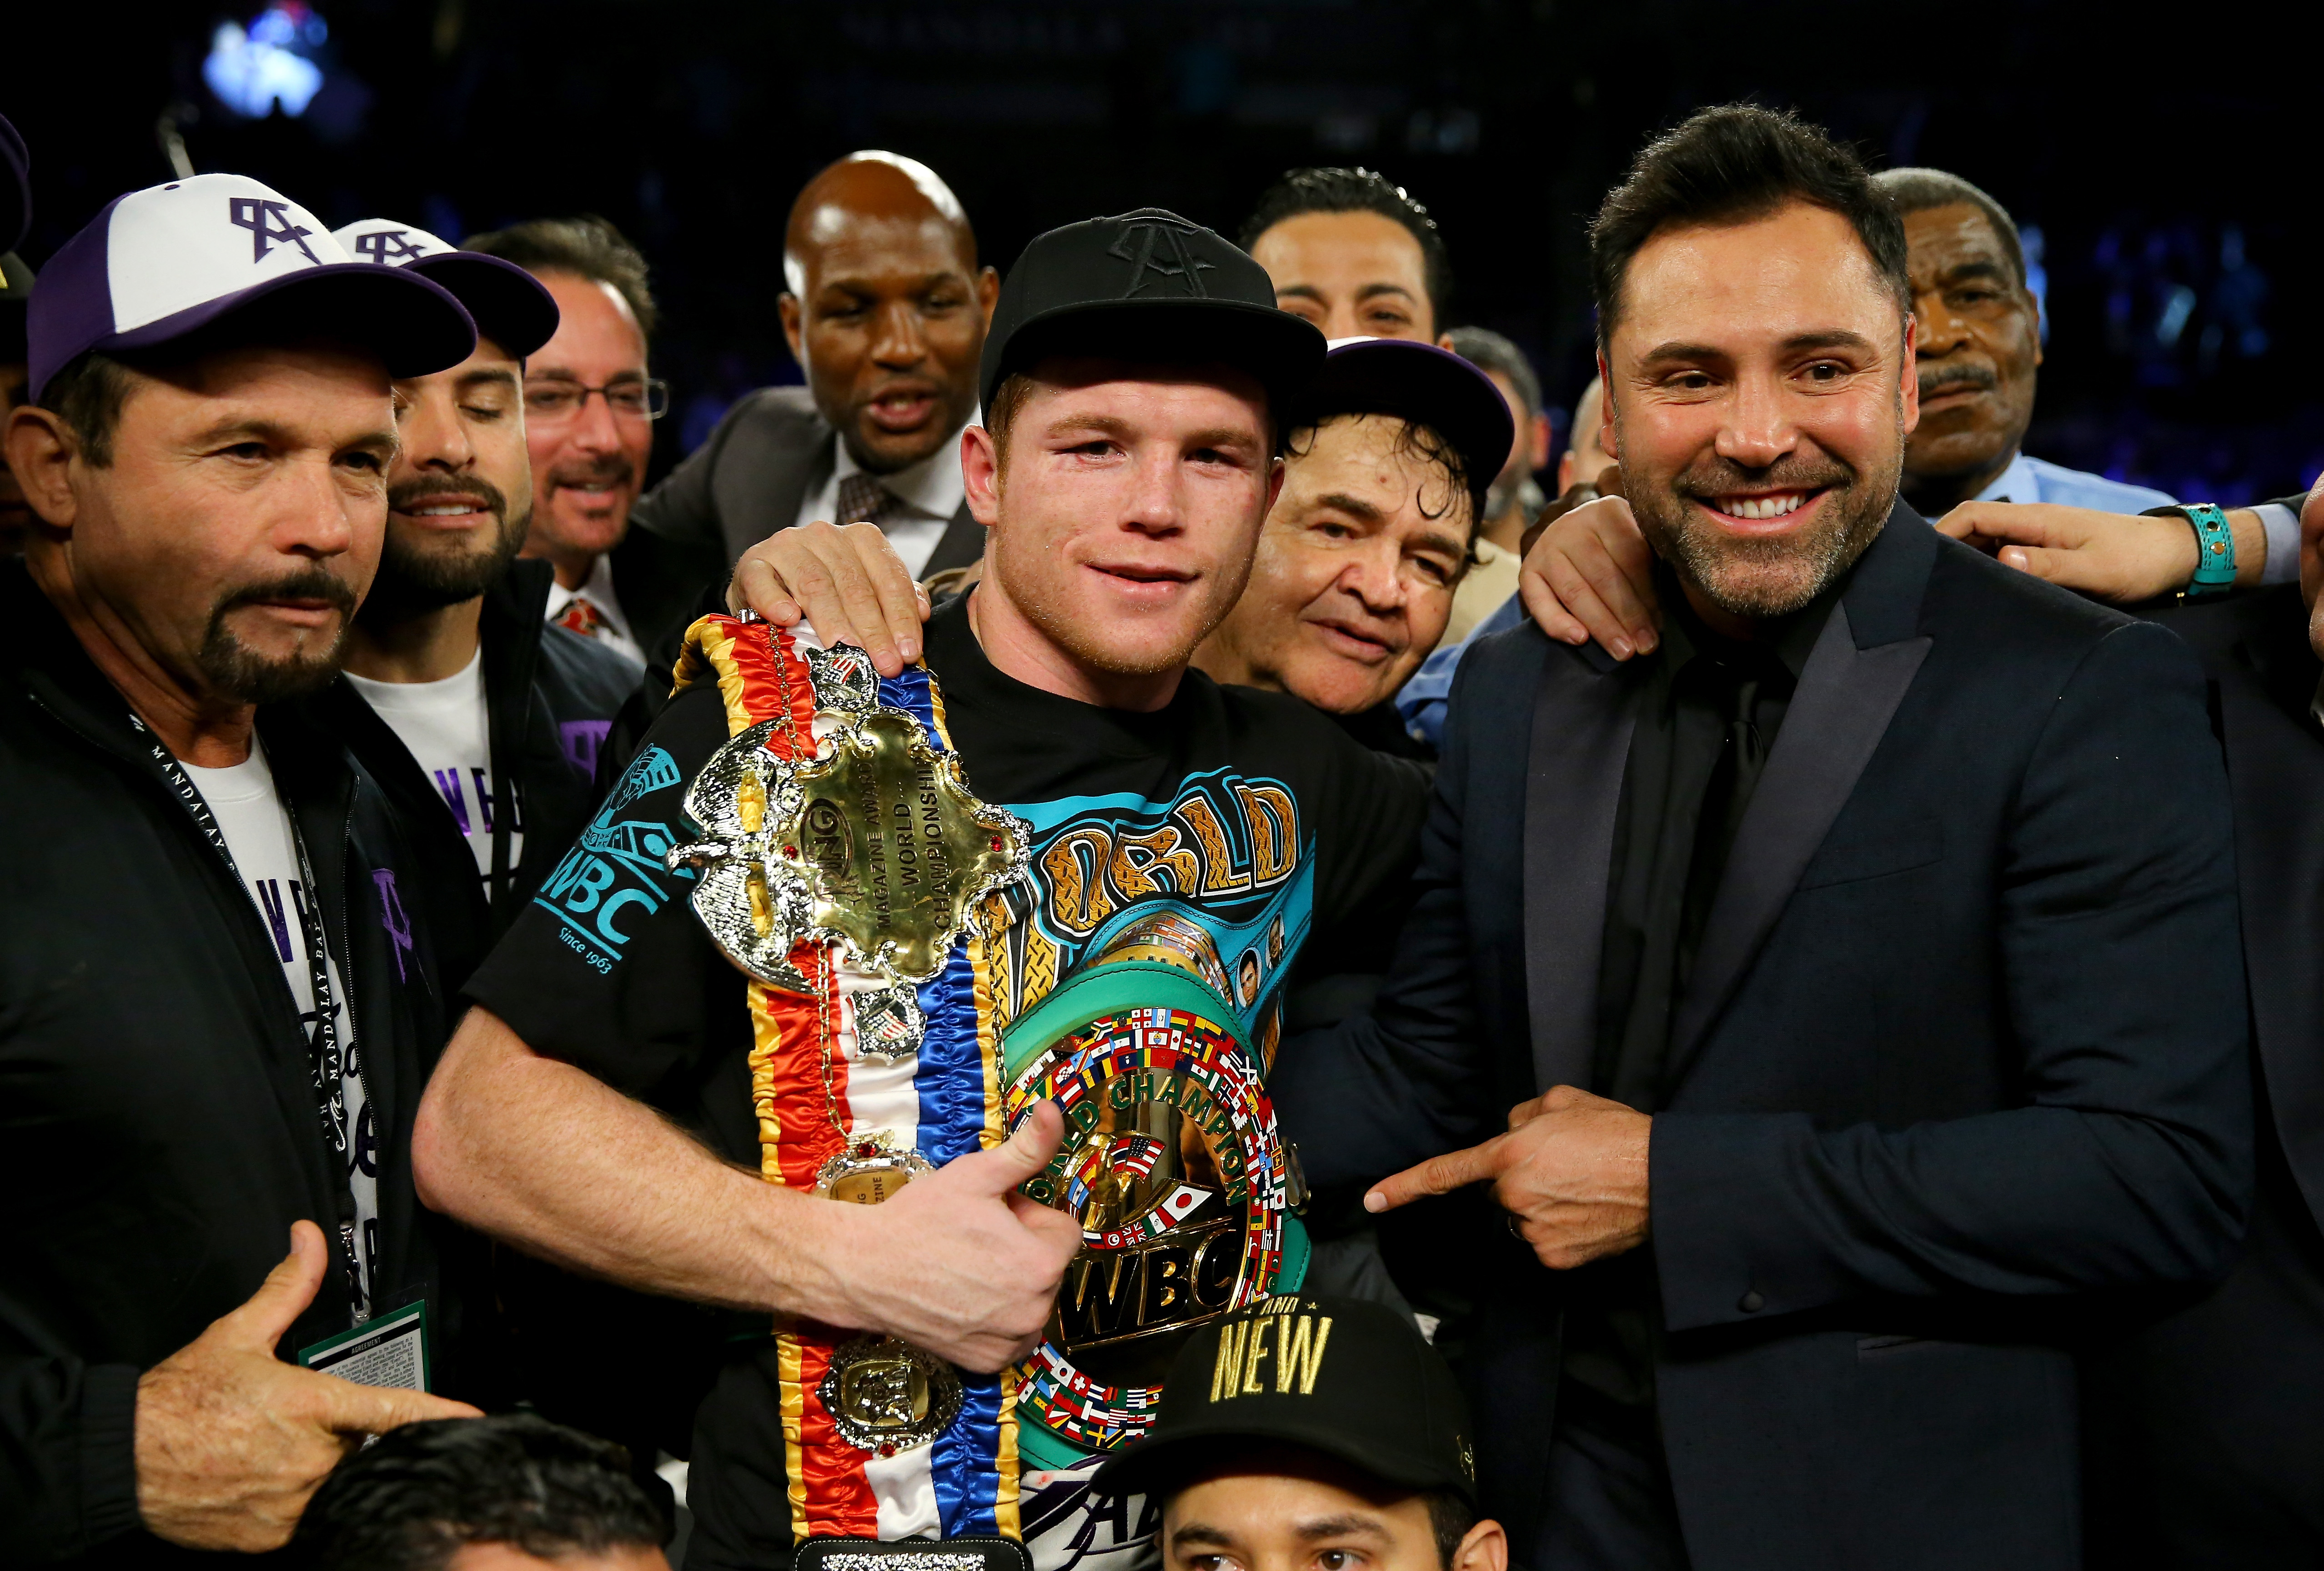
215, 1014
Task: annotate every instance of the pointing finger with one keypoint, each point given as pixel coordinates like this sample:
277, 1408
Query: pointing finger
1439, 1175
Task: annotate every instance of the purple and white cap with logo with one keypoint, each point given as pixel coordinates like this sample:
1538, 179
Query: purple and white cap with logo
165, 262
510, 305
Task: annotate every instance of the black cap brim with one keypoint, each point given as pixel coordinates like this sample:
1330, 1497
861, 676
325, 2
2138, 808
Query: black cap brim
511, 307
1157, 1464
1279, 350
1420, 382
412, 324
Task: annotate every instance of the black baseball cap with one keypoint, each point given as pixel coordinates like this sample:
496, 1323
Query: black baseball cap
1420, 382
1346, 1377
15, 188
1146, 285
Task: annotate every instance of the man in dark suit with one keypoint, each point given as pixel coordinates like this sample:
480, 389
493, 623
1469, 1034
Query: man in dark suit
886, 313
1886, 911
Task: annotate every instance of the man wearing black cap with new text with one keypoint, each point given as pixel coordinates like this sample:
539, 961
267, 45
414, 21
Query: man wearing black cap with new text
216, 1013
1131, 389
1307, 1428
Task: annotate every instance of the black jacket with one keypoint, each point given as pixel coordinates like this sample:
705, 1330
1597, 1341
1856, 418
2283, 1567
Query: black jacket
1963, 1051
2207, 1432
550, 695
157, 1132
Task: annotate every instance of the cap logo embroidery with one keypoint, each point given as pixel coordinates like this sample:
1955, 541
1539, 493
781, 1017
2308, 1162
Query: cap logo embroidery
270, 225
1142, 238
1297, 1351
386, 246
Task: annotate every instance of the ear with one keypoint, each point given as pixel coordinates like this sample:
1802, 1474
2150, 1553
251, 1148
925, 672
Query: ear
2034, 315
1274, 483
988, 294
1486, 1547
42, 450
1911, 371
1536, 436
980, 473
786, 307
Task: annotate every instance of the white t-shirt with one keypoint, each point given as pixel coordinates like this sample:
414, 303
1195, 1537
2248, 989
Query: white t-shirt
930, 491
447, 730
257, 830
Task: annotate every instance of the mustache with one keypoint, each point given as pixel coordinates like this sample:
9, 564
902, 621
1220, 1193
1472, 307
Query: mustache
306, 584
612, 467
1945, 377
414, 493
1715, 477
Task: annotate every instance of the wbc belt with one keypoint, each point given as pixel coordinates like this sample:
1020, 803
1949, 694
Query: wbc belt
843, 866
845, 869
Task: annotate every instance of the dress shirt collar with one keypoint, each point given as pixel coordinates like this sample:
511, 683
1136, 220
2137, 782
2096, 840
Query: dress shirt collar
932, 487
2018, 482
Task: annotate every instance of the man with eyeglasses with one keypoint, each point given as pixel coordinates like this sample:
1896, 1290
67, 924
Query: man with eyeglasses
589, 414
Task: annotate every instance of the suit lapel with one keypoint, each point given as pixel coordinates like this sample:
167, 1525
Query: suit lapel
1582, 715
1862, 664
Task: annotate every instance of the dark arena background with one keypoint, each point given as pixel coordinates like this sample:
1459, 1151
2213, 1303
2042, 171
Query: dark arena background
2156, 157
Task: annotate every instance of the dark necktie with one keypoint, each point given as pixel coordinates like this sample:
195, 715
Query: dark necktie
863, 500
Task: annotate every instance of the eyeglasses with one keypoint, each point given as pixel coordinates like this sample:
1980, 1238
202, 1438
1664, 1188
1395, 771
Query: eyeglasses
550, 402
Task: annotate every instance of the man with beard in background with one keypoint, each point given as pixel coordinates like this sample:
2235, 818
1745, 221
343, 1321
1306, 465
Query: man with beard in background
479, 719
482, 722
590, 407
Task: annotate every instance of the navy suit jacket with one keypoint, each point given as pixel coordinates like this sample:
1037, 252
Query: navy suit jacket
1962, 1052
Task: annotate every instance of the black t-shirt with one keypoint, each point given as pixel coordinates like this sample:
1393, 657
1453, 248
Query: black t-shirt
1247, 814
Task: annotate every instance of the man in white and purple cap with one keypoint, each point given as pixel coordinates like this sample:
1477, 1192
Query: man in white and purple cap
216, 1012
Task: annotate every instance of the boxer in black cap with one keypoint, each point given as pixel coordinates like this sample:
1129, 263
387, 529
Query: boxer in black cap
1312, 1431
1135, 386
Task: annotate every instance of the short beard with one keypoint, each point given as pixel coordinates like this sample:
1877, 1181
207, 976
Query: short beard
236, 672
1761, 579
412, 583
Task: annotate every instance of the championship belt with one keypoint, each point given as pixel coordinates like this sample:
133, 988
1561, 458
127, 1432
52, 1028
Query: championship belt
1172, 1160
845, 869
842, 868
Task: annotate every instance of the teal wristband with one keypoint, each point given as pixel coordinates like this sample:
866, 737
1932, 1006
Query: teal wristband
2215, 551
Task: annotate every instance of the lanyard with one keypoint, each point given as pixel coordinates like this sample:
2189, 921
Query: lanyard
327, 1057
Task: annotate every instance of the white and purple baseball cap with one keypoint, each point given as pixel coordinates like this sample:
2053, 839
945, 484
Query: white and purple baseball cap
511, 307
165, 262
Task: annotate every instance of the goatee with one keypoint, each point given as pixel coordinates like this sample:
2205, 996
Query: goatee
233, 668
1762, 578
